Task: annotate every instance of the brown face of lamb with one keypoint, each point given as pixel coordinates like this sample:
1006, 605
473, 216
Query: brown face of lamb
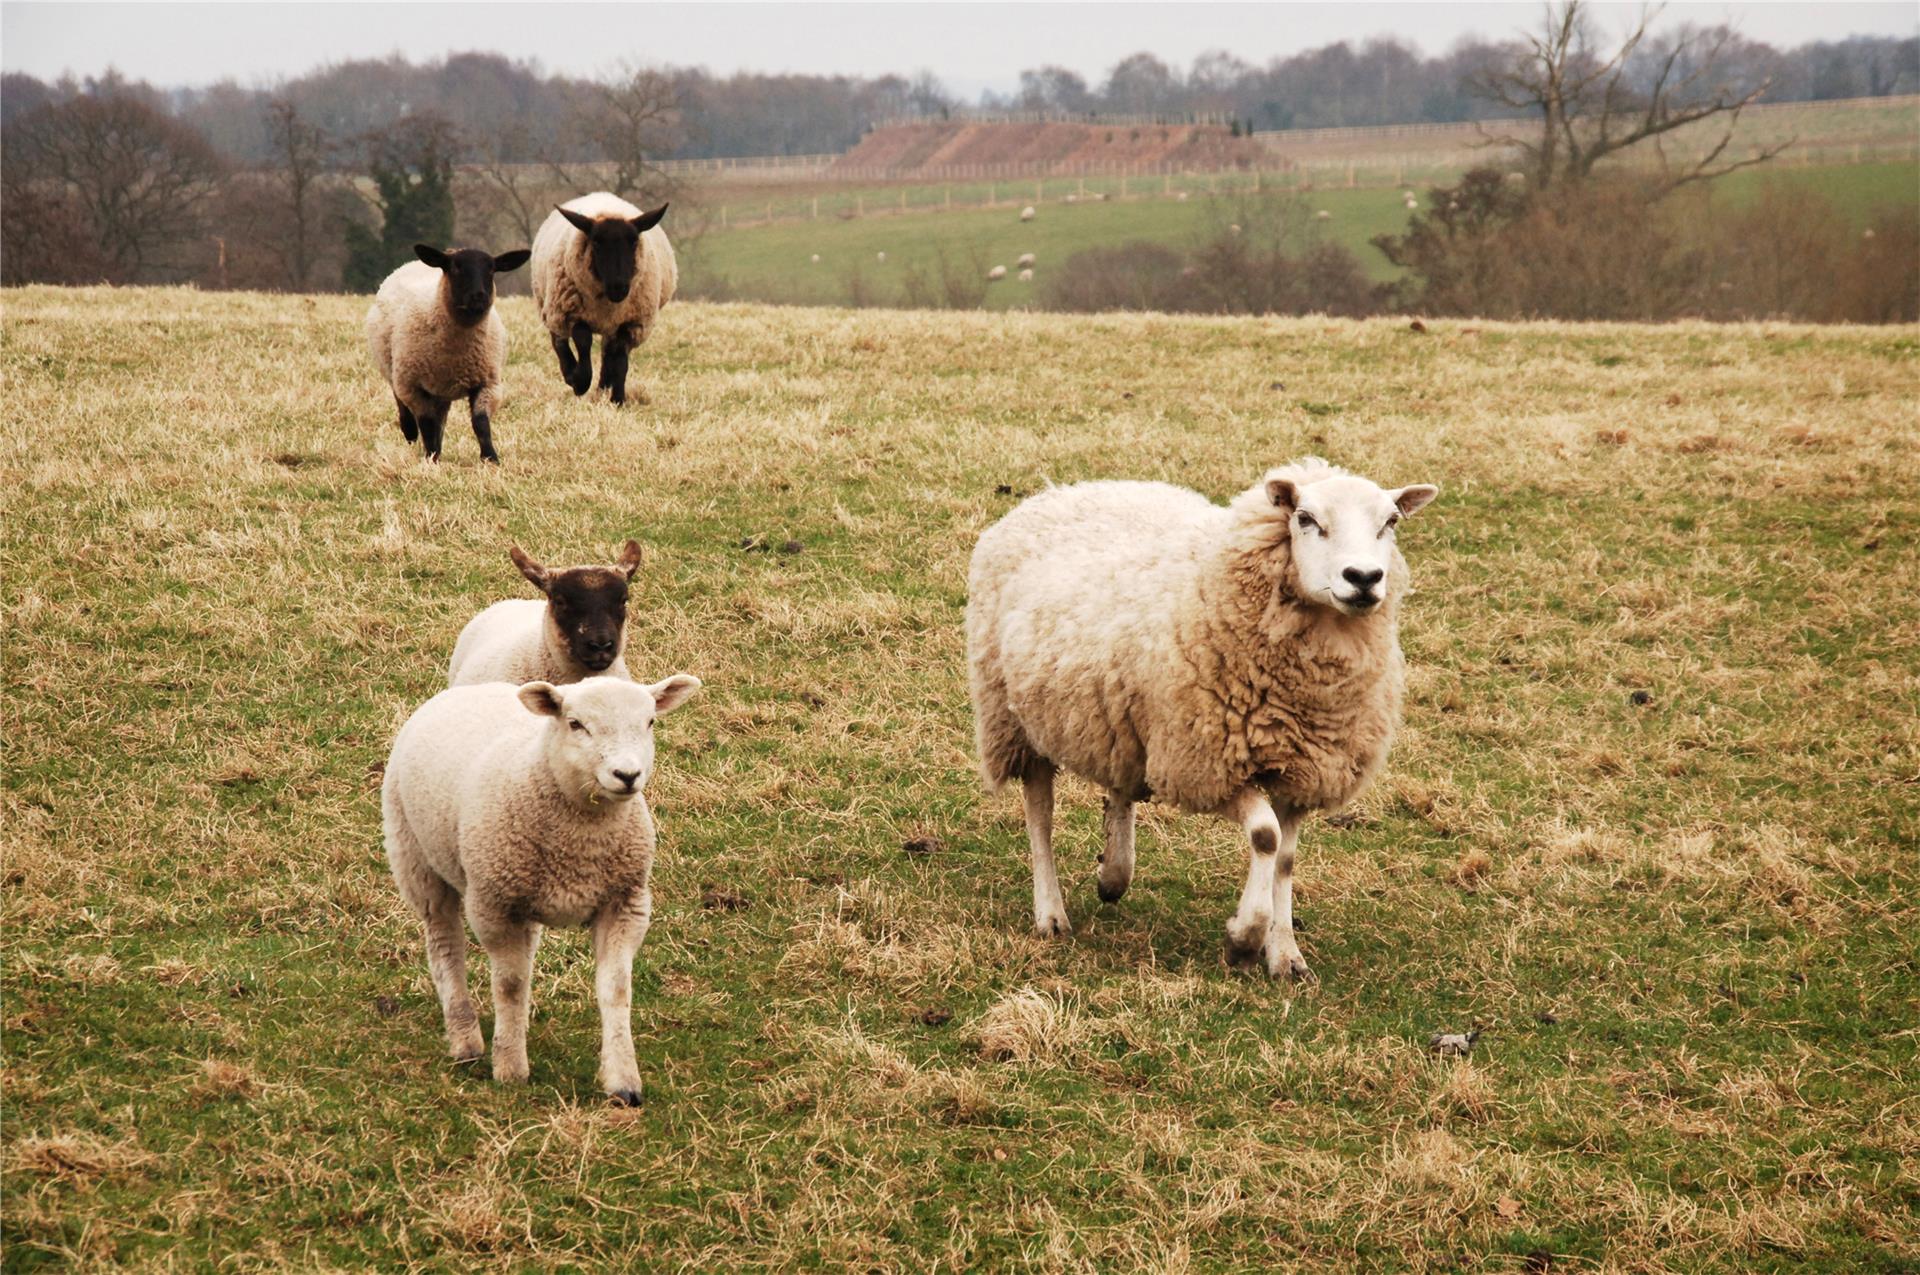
586, 606
610, 246
469, 273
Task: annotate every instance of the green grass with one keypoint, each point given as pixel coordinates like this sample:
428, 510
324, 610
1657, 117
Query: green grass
772, 262
1687, 924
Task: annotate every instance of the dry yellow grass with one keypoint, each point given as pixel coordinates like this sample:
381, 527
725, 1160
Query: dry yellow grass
1651, 822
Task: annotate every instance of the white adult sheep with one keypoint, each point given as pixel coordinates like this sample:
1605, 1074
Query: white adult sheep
996, 274
579, 630
1025, 260
436, 337
524, 807
1323, 215
816, 258
1241, 661
602, 266
881, 257
1026, 276
1027, 213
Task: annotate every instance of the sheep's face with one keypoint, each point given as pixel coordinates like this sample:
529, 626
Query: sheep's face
469, 278
600, 743
613, 247
1342, 529
586, 606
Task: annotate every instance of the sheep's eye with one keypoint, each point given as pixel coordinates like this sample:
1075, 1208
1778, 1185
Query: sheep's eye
1308, 522
574, 725
1393, 520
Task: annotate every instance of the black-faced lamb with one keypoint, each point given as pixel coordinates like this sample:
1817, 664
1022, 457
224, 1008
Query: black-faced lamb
1240, 661
524, 807
436, 337
578, 631
601, 266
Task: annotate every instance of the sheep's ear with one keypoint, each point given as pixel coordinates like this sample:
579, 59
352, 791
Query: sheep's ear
648, 220
673, 691
431, 255
629, 559
511, 260
581, 222
1282, 493
541, 698
1412, 500
535, 573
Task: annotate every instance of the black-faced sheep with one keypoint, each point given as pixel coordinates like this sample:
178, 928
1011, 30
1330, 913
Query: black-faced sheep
601, 266
1241, 661
436, 337
578, 631
524, 807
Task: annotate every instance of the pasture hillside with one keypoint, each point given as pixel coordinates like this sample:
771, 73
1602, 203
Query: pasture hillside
1650, 824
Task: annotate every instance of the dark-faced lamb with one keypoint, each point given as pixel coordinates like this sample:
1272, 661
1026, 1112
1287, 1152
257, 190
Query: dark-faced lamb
601, 266
524, 807
436, 337
578, 631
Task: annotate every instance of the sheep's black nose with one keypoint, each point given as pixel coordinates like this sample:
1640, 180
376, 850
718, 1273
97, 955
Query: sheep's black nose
600, 646
1363, 579
626, 776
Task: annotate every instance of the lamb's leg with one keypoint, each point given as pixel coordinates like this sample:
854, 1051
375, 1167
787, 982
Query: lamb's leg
439, 906
582, 378
1283, 950
1247, 932
614, 354
409, 430
480, 408
1116, 861
617, 933
510, 955
1049, 907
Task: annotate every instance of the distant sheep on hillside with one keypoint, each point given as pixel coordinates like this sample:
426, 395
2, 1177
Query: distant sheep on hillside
1027, 213
997, 273
1025, 261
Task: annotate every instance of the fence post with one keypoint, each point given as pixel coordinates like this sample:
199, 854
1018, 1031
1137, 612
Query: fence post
859, 205
949, 198
816, 208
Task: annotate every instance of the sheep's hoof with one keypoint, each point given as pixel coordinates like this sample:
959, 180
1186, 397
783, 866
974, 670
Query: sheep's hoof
581, 384
469, 1053
624, 1097
1242, 951
1111, 893
1294, 969
1052, 927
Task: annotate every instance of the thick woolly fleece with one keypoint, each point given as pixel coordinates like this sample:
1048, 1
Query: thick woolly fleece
1154, 643
427, 359
516, 641
563, 284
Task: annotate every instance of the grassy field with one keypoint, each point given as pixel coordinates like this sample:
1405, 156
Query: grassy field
1651, 822
772, 262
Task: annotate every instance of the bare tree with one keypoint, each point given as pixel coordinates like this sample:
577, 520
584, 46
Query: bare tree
632, 120
300, 151
1592, 104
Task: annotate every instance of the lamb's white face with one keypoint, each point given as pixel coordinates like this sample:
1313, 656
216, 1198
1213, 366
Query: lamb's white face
1342, 529
600, 744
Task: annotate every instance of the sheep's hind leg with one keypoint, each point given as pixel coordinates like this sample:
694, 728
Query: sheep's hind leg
617, 934
439, 906
432, 417
1116, 860
1049, 906
614, 355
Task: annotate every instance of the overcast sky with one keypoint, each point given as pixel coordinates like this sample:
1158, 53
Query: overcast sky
970, 46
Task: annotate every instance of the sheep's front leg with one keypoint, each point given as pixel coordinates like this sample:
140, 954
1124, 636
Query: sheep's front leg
565, 353
510, 948
480, 405
614, 354
580, 379
1253, 933
409, 429
1283, 950
1116, 860
1049, 905
617, 933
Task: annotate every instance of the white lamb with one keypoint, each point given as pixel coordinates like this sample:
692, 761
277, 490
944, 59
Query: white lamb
602, 266
1240, 661
524, 807
436, 337
578, 631
1026, 276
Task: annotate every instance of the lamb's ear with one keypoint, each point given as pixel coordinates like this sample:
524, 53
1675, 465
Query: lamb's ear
1282, 493
1412, 500
672, 692
581, 222
629, 559
511, 260
541, 698
431, 255
535, 573
648, 220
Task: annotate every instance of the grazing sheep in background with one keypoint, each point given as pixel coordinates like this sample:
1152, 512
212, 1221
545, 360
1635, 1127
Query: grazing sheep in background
1027, 213
1412, 204
881, 256
579, 631
1026, 276
996, 274
524, 806
1241, 661
1234, 229
1026, 259
601, 266
1323, 215
436, 337
816, 258
1181, 197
